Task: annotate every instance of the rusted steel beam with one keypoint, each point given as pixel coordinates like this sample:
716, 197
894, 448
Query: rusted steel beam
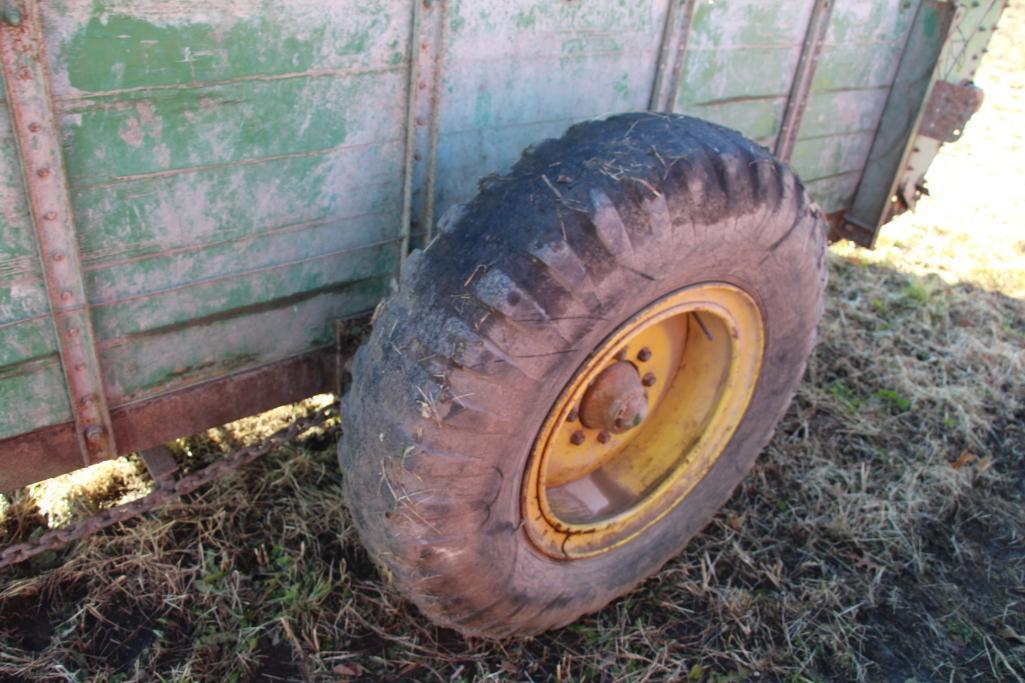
672, 56
30, 100
424, 96
48, 452
811, 50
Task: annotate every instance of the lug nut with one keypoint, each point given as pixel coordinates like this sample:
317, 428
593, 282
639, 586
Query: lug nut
577, 438
603, 437
573, 415
644, 355
648, 380
622, 354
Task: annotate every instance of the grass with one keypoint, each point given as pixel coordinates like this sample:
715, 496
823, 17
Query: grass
880, 537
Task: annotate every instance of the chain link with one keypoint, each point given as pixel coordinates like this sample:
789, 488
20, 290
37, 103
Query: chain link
160, 496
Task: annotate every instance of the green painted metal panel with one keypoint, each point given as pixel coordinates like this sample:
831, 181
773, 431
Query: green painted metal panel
857, 67
106, 45
117, 137
554, 64
740, 63
228, 161
32, 396
215, 347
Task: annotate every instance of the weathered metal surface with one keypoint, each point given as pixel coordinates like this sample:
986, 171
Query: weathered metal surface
160, 463
856, 70
892, 182
52, 450
27, 81
949, 108
818, 23
933, 24
425, 76
241, 175
672, 55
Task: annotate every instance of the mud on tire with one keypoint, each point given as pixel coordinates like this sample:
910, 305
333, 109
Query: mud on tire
493, 318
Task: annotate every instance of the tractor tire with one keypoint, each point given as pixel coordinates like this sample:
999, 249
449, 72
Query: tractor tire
454, 446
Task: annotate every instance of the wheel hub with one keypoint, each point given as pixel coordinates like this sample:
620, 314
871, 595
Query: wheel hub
642, 420
616, 402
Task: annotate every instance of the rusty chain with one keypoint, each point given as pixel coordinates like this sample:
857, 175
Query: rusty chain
161, 495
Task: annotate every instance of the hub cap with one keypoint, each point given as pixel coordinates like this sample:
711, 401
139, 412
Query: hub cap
642, 420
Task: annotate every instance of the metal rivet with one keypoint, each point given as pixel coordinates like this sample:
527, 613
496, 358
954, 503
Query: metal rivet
34, 127
603, 437
573, 415
94, 434
50, 215
43, 173
80, 367
57, 256
66, 295
73, 332
644, 355
577, 438
649, 380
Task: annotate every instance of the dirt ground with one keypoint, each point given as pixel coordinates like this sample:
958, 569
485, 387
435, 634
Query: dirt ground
881, 537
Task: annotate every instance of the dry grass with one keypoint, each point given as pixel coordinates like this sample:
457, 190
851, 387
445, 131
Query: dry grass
880, 537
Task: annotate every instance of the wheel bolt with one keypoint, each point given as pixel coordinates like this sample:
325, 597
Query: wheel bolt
648, 380
573, 415
622, 354
644, 355
603, 437
577, 438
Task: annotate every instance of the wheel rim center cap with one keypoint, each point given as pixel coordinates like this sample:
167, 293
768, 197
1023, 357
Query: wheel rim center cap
615, 401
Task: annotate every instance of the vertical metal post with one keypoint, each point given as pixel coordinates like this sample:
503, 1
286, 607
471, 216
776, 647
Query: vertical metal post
672, 55
426, 58
29, 98
800, 89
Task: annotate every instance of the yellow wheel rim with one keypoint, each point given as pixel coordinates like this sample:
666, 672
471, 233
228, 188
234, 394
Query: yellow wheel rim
643, 420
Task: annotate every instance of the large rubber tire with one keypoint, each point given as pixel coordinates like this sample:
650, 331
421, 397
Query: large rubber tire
493, 318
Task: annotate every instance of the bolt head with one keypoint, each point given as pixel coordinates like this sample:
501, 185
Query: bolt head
644, 355
573, 415
648, 380
34, 127
578, 437
603, 436
94, 434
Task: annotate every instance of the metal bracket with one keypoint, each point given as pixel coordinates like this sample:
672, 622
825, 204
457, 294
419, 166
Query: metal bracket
797, 102
424, 95
672, 55
949, 109
27, 81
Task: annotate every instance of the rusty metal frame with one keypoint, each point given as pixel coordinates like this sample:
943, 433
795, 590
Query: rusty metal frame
144, 424
426, 62
797, 103
34, 122
672, 55
868, 213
